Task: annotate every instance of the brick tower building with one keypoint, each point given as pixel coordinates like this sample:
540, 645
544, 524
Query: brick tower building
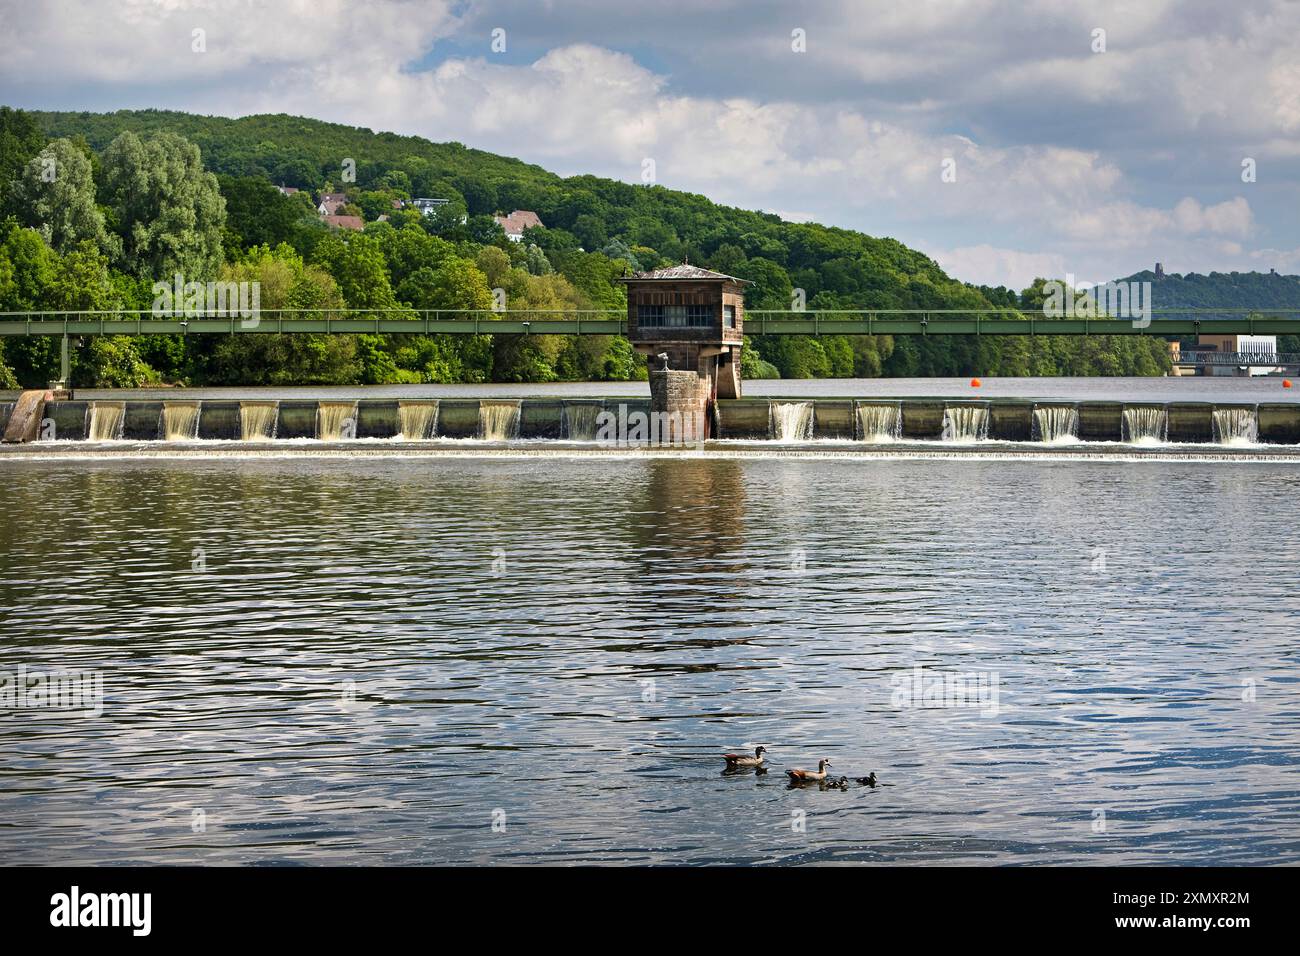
695, 317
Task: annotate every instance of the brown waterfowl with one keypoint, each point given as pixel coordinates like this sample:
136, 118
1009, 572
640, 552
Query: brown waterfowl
744, 760
810, 776
868, 781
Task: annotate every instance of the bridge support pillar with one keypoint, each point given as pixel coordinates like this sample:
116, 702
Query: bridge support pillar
729, 372
61, 390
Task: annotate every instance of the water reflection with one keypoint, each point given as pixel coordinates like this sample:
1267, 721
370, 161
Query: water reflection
363, 661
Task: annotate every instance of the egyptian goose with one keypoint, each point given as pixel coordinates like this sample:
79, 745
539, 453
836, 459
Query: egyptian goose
808, 776
744, 760
868, 781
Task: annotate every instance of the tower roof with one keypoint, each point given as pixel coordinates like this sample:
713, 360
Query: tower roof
683, 271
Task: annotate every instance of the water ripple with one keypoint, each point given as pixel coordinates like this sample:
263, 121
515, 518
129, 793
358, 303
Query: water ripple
334, 661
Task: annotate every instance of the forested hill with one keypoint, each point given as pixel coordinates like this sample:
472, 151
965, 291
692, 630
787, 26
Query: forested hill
144, 195
1227, 290
847, 266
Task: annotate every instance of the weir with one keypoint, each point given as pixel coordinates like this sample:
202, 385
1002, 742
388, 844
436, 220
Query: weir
1145, 424
179, 421
335, 420
754, 419
104, 421
498, 421
965, 423
580, 420
258, 420
1236, 426
417, 421
878, 422
790, 421
1056, 424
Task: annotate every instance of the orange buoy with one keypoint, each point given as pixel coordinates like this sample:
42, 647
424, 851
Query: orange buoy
1286, 383
974, 383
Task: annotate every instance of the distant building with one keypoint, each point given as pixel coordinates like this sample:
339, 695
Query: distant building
345, 222
1265, 345
515, 223
287, 190
1160, 270
428, 206
330, 203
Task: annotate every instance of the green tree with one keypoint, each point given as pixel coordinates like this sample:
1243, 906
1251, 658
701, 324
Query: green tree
55, 195
20, 139
167, 208
258, 213
357, 265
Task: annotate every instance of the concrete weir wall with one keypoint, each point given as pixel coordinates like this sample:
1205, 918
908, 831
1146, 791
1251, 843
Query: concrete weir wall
1010, 420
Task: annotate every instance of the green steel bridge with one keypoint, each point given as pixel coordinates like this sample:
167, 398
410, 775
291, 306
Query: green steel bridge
1164, 322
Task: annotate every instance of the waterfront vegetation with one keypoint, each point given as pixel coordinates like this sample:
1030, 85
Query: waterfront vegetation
99, 207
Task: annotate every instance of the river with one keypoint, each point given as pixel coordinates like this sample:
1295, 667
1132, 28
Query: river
412, 661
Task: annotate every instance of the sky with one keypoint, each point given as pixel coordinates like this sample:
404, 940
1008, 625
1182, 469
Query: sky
1005, 140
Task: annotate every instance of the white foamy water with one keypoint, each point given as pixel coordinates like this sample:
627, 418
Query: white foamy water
1236, 426
880, 422
498, 421
965, 423
417, 421
791, 421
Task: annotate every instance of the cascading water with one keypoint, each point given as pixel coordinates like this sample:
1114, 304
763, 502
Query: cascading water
1236, 426
105, 421
790, 421
1056, 424
258, 420
965, 423
1145, 424
336, 420
179, 421
498, 421
880, 423
417, 421
580, 420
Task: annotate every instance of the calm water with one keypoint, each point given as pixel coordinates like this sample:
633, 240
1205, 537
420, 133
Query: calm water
373, 658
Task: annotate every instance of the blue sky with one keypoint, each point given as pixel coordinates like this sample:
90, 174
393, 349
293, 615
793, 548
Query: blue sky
1068, 157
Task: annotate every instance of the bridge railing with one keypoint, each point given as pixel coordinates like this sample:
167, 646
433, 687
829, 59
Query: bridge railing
330, 321
1211, 357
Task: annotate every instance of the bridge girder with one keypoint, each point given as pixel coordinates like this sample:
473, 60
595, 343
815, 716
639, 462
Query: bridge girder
1172, 323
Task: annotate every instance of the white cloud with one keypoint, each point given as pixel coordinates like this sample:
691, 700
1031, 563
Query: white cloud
931, 80
990, 265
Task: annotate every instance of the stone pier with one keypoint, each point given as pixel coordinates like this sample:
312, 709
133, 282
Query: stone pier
25, 420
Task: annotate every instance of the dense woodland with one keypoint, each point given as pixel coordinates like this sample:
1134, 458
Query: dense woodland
140, 196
